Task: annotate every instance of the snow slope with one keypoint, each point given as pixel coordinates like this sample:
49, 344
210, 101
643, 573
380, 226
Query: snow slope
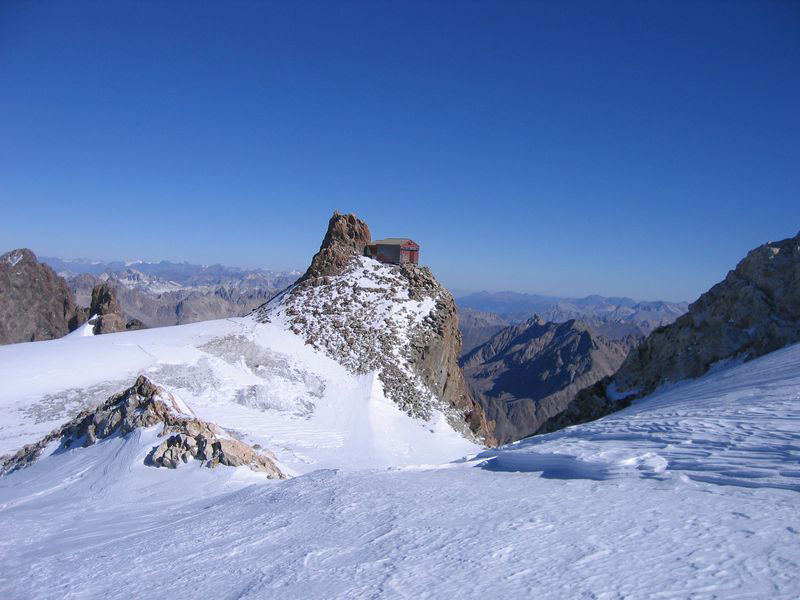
736, 426
690, 492
259, 381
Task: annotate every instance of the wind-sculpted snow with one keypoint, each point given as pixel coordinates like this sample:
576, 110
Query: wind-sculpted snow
62, 405
739, 426
689, 493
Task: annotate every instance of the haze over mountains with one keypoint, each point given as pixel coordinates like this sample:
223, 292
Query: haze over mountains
486, 313
753, 311
168, 293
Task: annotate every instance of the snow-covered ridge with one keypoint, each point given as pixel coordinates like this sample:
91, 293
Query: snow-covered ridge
133, 279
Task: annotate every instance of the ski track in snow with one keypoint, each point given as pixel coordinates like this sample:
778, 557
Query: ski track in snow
691, 492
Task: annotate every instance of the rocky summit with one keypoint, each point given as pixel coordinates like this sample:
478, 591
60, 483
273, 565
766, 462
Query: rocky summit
753, 311
527, 373
347, 236
144, 405
396, 320
35, 303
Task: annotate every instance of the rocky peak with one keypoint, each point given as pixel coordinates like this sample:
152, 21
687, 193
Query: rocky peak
395, 320
347, 236
753, 311
144, 405
35, 303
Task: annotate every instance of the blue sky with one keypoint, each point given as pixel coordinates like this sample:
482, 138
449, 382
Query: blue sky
622, 148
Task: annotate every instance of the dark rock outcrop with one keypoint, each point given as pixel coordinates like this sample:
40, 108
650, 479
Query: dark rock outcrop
104, 301
145, 405
528, 373
347, 236
35, 303
106, 313
753, 311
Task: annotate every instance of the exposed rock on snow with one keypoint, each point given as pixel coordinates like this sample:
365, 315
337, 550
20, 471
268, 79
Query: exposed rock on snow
753, 311
393, 319
145, 405
35, 303
108, 312
690, 493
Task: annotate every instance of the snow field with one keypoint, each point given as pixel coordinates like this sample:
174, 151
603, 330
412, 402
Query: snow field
691, 492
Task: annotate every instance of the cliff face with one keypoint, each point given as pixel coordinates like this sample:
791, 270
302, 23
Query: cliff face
396, 320
106, 313
528, 373
436, 348
35, 303
753, 311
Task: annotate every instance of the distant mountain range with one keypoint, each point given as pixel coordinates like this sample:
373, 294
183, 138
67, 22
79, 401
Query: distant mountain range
184, 274
525, 356
483, 314
167, 293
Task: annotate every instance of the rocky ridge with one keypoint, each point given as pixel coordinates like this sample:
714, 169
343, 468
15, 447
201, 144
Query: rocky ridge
347, 236
753, 311
146, 405
35, 303
396, 320
527, 373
